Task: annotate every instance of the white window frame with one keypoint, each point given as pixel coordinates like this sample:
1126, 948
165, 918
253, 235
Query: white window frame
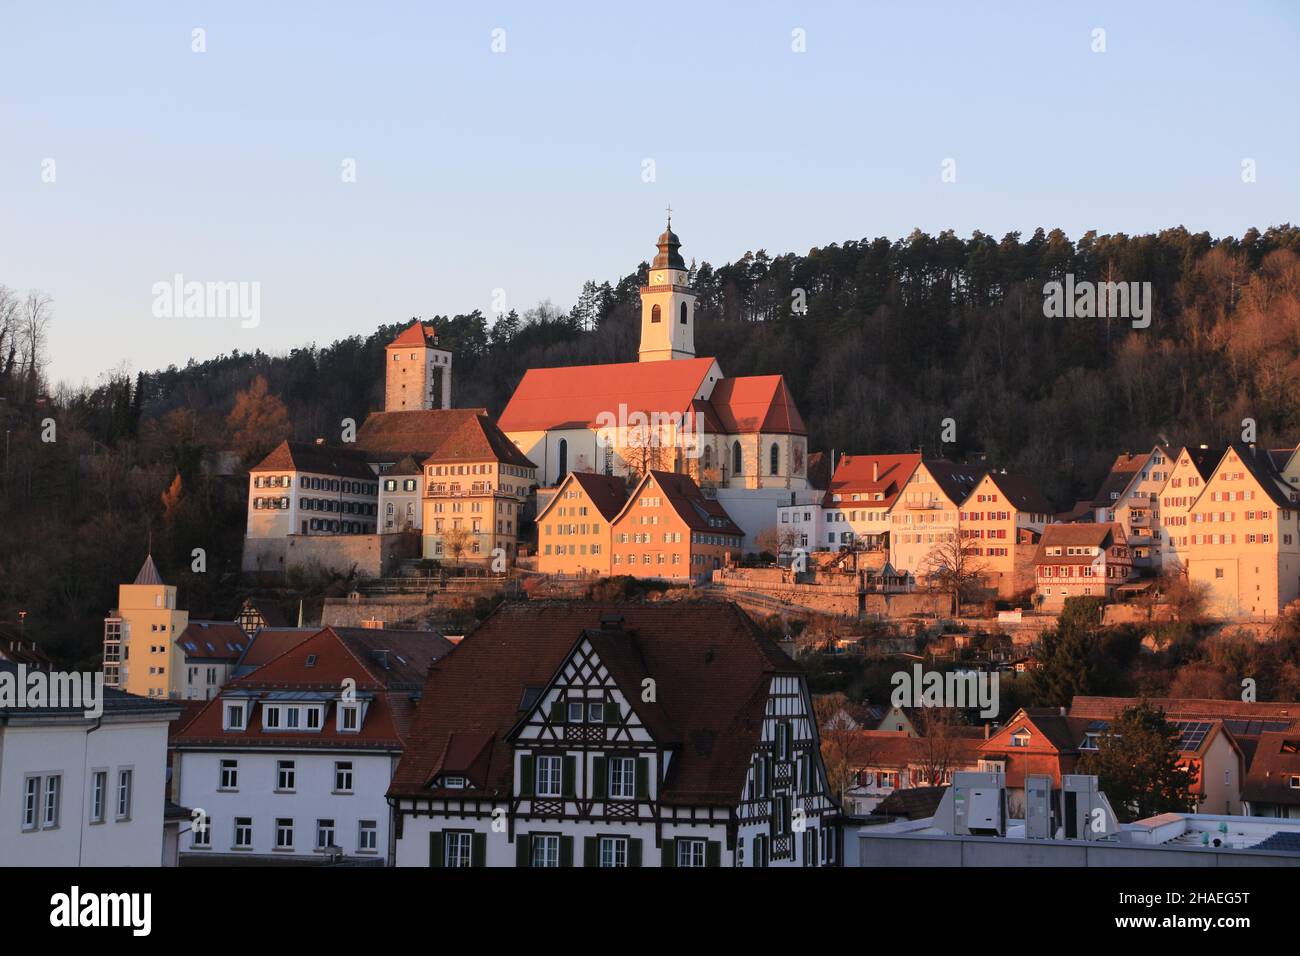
543, 773
692, 853
613, 851
544, 849
622, 778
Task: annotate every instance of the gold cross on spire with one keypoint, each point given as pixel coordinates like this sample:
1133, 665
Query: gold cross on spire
670, 214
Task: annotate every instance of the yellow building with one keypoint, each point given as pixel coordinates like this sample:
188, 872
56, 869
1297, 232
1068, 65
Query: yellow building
924, 518
1001, 521
141, 655
1192, 468
1244, 536
573, 530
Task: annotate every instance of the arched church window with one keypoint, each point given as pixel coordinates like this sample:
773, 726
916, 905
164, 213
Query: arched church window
774, 464
737, 459
683, 313
564, 458
656, 314
708, 457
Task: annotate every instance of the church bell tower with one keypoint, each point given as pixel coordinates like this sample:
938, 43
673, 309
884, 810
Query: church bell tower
667, 305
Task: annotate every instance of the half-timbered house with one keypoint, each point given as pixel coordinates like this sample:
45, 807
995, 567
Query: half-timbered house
574, 734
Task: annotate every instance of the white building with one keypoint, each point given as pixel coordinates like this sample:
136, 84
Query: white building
647, 735
83, 791
292, 761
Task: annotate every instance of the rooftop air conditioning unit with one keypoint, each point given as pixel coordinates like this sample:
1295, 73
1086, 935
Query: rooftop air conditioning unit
1086, 814
1040, 811
974, 805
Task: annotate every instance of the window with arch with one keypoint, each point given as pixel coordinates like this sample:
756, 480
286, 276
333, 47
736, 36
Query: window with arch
708, 457
684, 313
774, 460
564, 458
656, 314
737, 459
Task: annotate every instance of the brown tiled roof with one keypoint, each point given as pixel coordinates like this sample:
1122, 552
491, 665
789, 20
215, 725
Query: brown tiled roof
1022, 493
269, 643
912, 803
955, 480
407, 466
1205, 459
712, 665
18, 647
756, 403
439, 435
389, 665
607, 492
1074, 535
1277, 759
317, 459
688, 501
1105, 708
869, 475
213, 640
1121, 473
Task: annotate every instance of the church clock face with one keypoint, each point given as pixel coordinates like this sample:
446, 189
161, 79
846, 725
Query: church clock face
659, 278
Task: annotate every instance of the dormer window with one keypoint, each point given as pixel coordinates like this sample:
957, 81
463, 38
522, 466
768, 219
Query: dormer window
234, 716
1020, 738
349, 718
454, 783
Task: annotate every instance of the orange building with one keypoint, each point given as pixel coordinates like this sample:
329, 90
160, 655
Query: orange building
669, 530
573, 530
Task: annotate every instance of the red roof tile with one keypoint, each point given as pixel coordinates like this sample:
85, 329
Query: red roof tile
756, 403
870, 475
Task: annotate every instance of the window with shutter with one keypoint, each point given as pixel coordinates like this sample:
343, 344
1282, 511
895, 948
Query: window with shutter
435, 849
643, 778
526, 775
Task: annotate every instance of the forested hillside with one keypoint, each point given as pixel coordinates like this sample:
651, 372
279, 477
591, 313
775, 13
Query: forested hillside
896, 336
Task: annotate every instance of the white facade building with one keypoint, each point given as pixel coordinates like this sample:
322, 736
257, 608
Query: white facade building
82, 791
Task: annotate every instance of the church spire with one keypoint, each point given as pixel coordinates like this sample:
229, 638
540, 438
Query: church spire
668, 243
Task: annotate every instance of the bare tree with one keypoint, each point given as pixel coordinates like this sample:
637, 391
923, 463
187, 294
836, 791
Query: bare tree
953, 566
939, 752
456, 542
34, 320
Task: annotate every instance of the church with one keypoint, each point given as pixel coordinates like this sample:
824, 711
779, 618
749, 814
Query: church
740, 438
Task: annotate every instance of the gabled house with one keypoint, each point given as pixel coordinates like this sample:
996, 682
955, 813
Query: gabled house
925, 516
885, 762
1192, 469
1138, 507
1273, 784
570, 734
670, 531
1001, 523
1035, 740
574, 528
291, 762
854, 511
1080, 560
1244, 541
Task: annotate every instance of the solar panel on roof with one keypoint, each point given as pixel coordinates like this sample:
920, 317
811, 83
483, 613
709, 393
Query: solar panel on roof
1191, 733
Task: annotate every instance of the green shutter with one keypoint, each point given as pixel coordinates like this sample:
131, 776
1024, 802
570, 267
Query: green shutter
523, 844
599, 778
568, 777
566, 851
591, 851
643, 778
611, 711
435, 848
669, 852
557, 710
526, 776
633, 852
478, 850
713, 854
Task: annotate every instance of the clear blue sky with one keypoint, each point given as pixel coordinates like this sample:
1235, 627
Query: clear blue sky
523, 170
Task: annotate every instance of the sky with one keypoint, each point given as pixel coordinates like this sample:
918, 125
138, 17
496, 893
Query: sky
505, 153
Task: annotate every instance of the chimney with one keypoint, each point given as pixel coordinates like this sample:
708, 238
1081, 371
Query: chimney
1063, 711
987, 730
875, 470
